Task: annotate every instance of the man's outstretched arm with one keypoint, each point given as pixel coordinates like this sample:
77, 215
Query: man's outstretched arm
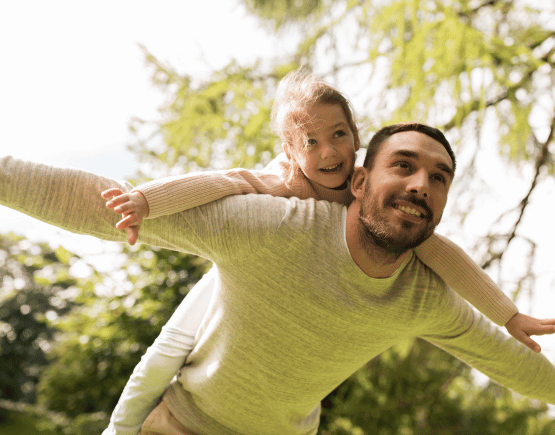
476, 341
71, 199
67, 198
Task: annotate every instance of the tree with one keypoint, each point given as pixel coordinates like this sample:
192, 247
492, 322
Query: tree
104, 340
68, 344
36, 288
482, 71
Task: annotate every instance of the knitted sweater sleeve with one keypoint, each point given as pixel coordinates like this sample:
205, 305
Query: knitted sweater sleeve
170, 195
70, 199
65, 197
467, 335
469, 280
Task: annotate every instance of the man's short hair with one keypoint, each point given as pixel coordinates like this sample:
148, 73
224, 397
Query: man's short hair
381, 135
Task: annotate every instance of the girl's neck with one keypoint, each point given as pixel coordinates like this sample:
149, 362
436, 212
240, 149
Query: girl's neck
341, 194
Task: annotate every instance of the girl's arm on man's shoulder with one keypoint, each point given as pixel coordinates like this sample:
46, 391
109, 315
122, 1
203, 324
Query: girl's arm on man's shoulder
170, 195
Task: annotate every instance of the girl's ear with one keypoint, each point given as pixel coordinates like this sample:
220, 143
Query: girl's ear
358, 182
357, 142
287, 150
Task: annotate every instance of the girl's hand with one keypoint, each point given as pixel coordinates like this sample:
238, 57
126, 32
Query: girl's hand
133, 208
522, 327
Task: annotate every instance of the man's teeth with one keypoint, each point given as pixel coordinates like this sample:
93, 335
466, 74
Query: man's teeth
409, 210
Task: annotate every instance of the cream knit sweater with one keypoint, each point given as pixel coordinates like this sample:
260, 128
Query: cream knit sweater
293, 316
170, 195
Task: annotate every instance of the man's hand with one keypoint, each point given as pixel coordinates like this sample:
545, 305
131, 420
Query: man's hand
522, 327
133, 208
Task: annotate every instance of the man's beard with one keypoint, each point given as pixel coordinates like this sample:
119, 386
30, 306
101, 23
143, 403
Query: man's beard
376, 228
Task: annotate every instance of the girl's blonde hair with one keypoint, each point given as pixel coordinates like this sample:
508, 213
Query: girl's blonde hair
295, 94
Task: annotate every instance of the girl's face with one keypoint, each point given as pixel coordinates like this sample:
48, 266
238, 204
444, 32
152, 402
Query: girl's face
328, 155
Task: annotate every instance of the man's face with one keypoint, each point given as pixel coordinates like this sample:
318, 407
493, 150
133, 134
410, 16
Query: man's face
405, 192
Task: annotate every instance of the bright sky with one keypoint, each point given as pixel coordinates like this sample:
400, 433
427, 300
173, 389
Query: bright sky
72, 76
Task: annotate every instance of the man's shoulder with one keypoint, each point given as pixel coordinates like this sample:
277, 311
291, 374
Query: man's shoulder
428, 283
269, 202
255, 209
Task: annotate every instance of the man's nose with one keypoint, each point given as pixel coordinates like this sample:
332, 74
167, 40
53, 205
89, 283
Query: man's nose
419, 184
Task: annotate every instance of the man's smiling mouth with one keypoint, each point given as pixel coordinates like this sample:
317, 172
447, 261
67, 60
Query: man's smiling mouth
408, 210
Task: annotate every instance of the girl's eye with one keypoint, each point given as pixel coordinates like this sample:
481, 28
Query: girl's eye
340, 133
310, 142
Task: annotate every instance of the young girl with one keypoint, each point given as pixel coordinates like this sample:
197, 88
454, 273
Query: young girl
320, 139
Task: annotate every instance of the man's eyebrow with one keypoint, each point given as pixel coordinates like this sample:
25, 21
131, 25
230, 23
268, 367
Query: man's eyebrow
446, 168
411, 154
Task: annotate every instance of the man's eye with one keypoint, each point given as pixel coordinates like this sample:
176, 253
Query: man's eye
403, 165
439, 177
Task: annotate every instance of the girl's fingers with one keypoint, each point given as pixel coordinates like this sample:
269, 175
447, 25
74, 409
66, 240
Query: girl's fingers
109, 193
125, 222
132, 235
534, 346
548, 328
541, 327
124, 207
525, 339
118, 200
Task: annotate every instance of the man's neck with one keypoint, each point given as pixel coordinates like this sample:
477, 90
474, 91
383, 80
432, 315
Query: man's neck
373, 260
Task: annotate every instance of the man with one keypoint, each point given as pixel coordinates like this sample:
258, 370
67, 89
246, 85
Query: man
308, 291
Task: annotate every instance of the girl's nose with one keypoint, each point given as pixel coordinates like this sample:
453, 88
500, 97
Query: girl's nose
328, 150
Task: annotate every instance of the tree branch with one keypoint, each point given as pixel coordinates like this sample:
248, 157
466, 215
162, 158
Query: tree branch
541, 160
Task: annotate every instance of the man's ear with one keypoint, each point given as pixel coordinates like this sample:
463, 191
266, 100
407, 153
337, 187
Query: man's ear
358, 182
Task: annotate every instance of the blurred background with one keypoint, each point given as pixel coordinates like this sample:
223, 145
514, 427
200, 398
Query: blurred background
140, 90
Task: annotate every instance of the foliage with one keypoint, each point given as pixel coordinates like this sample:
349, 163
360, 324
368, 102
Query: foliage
35, 288
230, 111
69, 344
104, 340
281, 12
468, 67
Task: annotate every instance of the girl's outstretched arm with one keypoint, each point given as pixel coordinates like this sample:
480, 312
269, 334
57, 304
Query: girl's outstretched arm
166, 196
